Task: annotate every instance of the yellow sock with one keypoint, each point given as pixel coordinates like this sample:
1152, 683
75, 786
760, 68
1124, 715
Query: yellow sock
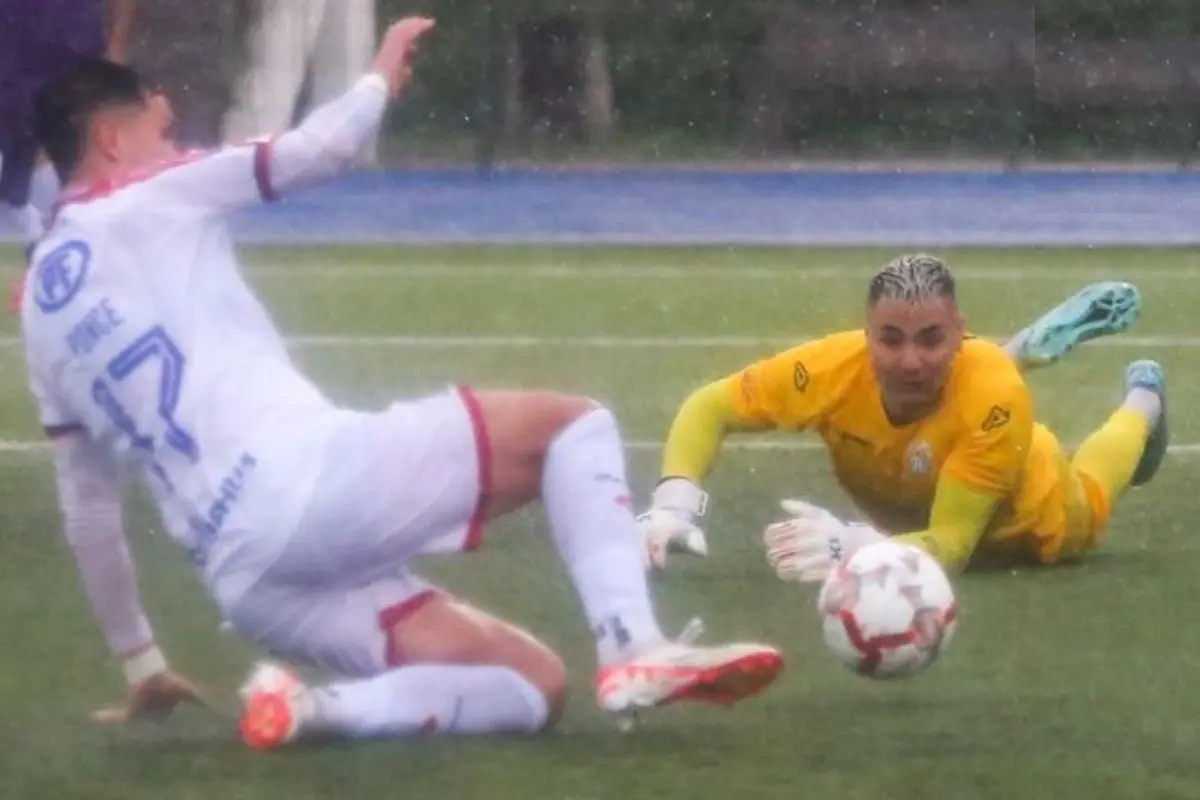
1111, 454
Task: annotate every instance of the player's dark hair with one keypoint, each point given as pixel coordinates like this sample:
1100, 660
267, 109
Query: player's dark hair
911, 278
65, 105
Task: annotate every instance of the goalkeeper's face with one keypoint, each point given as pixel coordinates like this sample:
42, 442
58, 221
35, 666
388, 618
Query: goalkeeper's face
912, 346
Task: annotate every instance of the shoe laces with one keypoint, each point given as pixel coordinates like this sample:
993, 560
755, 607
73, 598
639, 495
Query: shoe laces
691, 632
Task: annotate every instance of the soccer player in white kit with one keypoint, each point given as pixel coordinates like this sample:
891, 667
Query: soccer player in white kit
148, 354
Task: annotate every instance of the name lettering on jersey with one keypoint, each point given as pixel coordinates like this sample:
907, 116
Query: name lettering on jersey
99, 321
229, 491
997, 418
800, 377
60, 275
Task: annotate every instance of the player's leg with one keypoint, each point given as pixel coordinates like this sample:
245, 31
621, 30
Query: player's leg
343, 48
280, 42
427, 663
1129, 447
1125, 451
424, 476
1098, 310
342, 53
16, 181
568, 451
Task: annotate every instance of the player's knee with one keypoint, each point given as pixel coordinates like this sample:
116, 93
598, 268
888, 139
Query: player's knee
561, 413
482, 639
525, 423
544, 669
537, 663
521, 428
548, 675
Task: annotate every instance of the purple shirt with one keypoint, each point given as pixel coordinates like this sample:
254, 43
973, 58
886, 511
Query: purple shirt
39, 38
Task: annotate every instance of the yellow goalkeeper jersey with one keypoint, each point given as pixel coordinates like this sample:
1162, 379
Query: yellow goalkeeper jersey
983, 435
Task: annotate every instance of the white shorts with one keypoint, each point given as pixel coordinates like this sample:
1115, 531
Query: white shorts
408, 481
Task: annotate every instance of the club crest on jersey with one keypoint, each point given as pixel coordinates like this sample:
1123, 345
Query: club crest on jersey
60, 275
920, 458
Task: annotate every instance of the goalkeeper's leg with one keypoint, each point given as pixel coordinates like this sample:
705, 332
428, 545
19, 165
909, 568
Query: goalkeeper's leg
1129, 447
1125, 451
1101, 309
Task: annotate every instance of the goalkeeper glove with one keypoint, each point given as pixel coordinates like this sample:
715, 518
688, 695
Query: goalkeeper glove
668, 524
811, 542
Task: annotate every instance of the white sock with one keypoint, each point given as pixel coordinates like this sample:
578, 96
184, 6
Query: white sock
586, 496
1145, 402
427, 699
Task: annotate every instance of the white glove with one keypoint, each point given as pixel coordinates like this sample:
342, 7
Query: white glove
668, 524
812, 541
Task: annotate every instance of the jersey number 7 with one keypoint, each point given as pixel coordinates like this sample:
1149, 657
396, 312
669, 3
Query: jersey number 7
154, 345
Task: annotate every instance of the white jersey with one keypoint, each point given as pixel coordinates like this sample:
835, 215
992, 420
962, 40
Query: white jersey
140, 329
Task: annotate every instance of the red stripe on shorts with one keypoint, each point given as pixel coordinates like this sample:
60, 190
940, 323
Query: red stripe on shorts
483, 454
393, 615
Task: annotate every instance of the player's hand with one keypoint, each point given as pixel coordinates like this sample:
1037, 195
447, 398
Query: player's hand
152, 699
116, 52
396, 51
663, 531
811, 541
669, 525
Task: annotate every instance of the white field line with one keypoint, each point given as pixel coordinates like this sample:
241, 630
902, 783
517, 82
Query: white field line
1106, 268
401, 270
21, 447
662, 342
518, 341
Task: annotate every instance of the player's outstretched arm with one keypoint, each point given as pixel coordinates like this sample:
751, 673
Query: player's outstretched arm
323, 145
698, 430
332, 136
983, 468
90, 501
958, 520
811, 541
692, 447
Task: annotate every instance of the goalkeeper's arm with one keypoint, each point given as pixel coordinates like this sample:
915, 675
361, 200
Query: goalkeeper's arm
692, 446
959, 518
691, 449
700, 426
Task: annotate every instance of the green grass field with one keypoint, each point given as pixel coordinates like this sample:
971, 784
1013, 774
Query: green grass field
1076, 682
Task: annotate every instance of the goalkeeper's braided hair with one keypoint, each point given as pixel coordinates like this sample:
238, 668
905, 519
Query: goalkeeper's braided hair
911, 278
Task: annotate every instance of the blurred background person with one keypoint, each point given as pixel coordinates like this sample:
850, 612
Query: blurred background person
38, 39
188, 51
321, 44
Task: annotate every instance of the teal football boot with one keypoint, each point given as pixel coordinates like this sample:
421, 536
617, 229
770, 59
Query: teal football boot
1149, 375
1101, 309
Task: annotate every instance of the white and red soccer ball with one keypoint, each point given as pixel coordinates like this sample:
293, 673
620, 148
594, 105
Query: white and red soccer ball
888, 611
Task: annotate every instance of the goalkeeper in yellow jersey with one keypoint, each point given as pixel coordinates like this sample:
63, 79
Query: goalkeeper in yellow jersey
930, 431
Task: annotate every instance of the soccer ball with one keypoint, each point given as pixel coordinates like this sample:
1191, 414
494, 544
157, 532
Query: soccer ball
888, 611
